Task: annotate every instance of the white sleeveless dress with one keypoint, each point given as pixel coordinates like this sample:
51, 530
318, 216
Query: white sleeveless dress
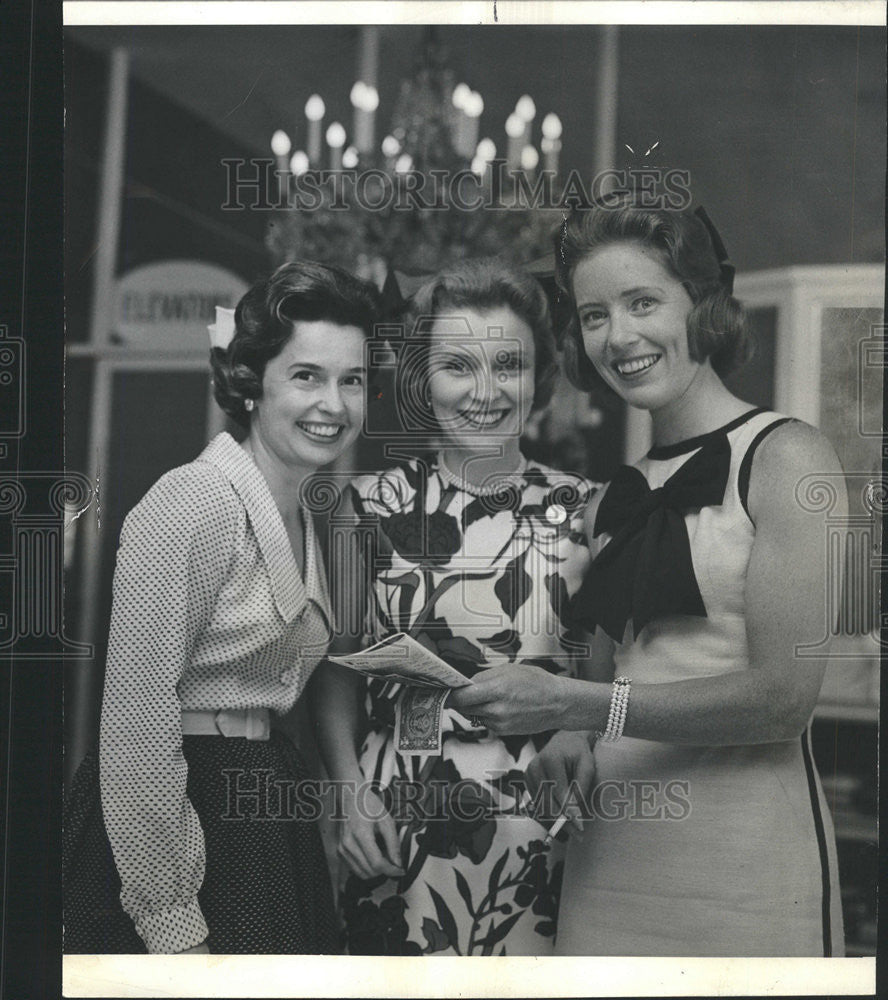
721, 850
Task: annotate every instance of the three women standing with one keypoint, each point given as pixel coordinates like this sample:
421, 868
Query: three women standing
705, 585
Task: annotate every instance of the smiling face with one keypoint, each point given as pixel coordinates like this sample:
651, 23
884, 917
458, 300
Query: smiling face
312, 402
633, 316
481, 380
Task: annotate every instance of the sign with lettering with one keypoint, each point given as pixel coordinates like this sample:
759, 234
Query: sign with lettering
166, 306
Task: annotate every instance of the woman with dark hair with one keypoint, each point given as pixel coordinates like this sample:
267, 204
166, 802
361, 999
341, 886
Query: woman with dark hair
710, 835
179, 836
476, 552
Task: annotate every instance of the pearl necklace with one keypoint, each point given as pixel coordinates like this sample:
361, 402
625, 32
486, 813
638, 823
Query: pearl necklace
497, 486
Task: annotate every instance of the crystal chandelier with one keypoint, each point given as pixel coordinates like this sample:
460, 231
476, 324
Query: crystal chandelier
429, 193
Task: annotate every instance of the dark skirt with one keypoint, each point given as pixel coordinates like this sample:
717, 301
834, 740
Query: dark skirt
267, 885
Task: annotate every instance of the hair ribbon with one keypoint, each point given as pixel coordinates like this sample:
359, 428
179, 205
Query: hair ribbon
726, 269
222, 331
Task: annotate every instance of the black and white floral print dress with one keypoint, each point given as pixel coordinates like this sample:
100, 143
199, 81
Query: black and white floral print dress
481, 580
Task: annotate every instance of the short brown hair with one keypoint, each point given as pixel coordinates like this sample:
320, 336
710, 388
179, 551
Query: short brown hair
297, 291
716, 324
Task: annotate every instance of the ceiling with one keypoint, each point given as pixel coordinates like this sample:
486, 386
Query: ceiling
248, 81
781, 128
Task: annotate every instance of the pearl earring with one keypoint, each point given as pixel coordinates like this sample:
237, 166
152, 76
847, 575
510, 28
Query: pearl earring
249, 404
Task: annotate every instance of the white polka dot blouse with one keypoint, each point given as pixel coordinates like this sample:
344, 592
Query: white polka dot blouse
209, 612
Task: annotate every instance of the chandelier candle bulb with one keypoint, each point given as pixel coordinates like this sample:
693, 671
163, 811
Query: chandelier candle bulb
482, 170
525, 108
350, 158
314, 112
460, 92
461, 133
526, 111
358, 119
335, 140
486, 150
390, 147
280, 146
280, 143
529, 160
299, 163
551, 144
365, 101
460, 99
551, 127
515, 132
473, 108
551, 148
372, 103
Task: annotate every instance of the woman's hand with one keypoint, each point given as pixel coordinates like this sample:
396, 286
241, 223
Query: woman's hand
513, 698
369, 844
562, 776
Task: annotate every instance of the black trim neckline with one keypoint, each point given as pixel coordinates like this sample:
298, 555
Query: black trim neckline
664, 451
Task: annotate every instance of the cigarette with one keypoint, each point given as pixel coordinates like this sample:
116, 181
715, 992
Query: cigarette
555, 829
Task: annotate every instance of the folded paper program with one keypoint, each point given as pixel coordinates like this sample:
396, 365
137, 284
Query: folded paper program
400, 657
427, 681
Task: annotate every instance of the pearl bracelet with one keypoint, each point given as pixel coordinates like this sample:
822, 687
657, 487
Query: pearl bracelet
616, 717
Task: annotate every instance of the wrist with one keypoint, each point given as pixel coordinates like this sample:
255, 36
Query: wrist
172, 930
587, 705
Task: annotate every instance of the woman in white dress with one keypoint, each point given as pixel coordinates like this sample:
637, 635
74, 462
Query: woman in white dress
710, 834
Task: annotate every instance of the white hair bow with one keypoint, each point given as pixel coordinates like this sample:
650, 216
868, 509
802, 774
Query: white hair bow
222, 330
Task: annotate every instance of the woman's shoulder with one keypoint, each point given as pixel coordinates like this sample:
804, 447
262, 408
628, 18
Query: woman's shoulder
791, 439
197, 496
790, 460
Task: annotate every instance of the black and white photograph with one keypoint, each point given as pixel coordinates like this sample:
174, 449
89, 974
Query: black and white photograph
472, 499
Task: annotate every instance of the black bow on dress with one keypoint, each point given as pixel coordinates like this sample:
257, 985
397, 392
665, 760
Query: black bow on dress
646, 570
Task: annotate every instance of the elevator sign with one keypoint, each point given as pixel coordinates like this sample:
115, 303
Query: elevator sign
167, 306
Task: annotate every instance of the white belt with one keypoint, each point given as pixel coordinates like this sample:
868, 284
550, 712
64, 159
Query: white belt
251, 723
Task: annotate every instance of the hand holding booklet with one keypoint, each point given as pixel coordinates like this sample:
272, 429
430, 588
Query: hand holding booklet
428, 680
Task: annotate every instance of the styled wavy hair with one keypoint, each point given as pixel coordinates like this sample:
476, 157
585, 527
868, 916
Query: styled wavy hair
716, 324
300, 290
483, 284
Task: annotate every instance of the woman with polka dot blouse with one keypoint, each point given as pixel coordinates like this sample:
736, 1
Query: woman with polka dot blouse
174, 838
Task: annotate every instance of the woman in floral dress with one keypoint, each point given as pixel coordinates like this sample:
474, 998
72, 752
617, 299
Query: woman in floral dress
476, 553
